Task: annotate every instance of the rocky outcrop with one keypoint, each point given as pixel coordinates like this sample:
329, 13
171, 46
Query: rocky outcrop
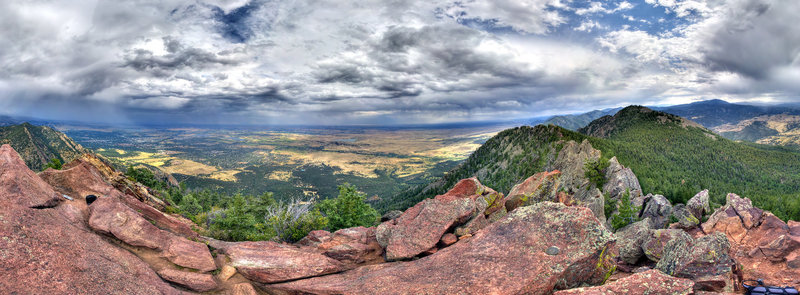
110, 216
90, 175
765, 246
542, 186
48, 249
571, 160
533, 250
619, 180
648, 282
421, 227
270, 262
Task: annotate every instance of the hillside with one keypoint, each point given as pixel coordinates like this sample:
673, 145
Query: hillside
38, 144
504, 160
576, 121
670, 155
774, 125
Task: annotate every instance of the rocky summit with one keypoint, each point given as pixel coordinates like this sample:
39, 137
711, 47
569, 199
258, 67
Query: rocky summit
548, 235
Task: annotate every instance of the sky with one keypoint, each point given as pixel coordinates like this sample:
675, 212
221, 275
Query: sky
386, 62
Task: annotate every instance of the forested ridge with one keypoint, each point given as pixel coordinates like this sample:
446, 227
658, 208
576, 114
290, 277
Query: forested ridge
670, 156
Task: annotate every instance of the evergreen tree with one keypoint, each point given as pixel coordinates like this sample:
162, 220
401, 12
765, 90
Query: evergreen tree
349, 209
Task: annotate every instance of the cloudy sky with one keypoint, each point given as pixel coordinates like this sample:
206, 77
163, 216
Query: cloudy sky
387, 61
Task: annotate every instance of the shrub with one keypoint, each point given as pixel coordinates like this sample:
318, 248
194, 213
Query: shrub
608, 205
293, 220
627, 212
236, 225
595, 171
54, 163
349, 209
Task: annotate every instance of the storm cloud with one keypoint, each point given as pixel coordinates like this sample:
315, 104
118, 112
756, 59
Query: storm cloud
386, 61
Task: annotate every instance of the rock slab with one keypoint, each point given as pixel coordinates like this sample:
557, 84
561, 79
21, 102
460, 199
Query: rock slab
507, 257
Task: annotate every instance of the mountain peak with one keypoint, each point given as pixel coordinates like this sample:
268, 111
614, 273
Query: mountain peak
634, 115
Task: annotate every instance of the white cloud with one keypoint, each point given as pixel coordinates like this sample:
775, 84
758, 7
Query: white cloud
328, 61
597, 7
528, 16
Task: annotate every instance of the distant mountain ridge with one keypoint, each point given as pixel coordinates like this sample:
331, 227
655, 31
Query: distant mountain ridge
576, 121
776, 124
39, 144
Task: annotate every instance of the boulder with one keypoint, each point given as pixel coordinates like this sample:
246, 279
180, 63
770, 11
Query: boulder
50, 250
698, 205
657, 208
194, 281
630, 239
353, 246
507, 257
270, 262
542, 186
189, 254
619, 179
744, 208
648, 282
686, 219
422, 226
657, 240
16, 178
699, 260
109, 216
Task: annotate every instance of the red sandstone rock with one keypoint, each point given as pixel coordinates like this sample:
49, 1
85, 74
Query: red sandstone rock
270, 262
352, 246
794, 228
189, 254
47, 251
108, 215
195, 281
507, 257
447, 240
542, 186
16, 178
422, 226
767, 249
315, 238
88, 175
648, 282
